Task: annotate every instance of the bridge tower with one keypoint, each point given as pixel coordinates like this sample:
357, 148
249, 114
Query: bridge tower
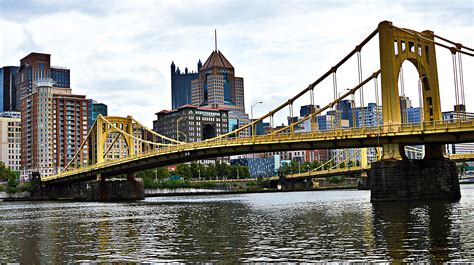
394, 177
397, 46
103, 129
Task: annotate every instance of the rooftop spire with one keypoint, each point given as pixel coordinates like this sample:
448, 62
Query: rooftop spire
215, 39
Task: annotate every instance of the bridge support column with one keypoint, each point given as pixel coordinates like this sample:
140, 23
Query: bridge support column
408, 180
95, 190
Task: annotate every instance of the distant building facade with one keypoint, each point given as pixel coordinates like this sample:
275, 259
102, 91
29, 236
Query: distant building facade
53, 127
189, 123
10, 145
181, 85
462, 148
37, 66
260, 167
94, 109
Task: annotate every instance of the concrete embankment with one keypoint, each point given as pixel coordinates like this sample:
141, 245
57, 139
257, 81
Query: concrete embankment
15, 196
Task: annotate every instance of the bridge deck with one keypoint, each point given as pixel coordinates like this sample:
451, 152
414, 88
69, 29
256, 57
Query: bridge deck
441, 132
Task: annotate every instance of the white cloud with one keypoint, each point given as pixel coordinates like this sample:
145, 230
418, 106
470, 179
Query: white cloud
119, 52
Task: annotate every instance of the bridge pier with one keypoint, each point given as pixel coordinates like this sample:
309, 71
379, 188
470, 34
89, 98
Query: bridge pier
95, 190
409, 180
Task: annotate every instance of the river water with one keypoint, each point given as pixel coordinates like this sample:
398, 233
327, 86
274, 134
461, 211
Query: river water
267, 227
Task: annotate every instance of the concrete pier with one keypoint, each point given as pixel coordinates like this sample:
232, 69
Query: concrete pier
408, 180
105, 190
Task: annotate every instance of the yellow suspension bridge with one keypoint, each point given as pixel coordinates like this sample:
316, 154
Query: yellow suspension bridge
392, 133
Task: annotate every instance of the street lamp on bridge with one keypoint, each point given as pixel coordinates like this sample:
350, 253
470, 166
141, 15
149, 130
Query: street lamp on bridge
251, 115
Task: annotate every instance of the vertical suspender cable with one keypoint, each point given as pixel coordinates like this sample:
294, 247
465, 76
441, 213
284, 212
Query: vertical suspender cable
420, 89
461, 80
361, 90
334, 86
404, 107
455, 76
311, 121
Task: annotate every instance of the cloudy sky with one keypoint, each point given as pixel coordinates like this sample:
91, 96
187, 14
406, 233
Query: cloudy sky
120, 52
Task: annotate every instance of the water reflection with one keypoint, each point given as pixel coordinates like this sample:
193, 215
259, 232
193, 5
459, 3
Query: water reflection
412, 232
286, 227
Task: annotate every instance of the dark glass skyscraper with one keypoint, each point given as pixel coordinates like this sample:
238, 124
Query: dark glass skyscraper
181, 85
94, 110
7, 85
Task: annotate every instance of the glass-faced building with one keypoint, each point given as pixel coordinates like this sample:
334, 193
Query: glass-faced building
7, 88
94, 110
181, 85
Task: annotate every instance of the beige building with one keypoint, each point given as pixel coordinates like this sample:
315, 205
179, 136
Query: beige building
54, 124
10, 147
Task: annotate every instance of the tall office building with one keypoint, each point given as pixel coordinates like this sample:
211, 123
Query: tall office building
8, 89
181, 85
34, 66
53, 126
10, 137
218, 87
94, 110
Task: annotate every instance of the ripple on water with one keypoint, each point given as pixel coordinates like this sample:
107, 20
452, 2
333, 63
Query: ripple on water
268, 227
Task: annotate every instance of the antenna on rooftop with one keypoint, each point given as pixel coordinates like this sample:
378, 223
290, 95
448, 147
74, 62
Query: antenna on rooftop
215, 39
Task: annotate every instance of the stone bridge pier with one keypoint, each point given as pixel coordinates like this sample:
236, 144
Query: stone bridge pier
431, 178
94, 190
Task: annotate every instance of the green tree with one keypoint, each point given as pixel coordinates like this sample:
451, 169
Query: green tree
222, 169
244, 172
184, 171
5, 172
210, 171
233, 169
194, 170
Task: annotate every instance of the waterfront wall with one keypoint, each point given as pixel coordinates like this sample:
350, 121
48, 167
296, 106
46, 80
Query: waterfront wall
158, 192
19, 195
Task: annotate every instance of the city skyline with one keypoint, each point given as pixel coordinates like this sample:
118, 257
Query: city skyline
123, 60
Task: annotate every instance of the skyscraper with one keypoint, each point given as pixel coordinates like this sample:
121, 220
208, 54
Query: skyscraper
34, 66
218, 87
181, 85
7, 88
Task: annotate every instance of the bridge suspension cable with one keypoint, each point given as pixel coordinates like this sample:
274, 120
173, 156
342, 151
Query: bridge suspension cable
155, 133
330, 105
132, 136
304, 91
93, 127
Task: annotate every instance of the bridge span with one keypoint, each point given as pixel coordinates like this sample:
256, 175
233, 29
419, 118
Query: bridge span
393, 177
